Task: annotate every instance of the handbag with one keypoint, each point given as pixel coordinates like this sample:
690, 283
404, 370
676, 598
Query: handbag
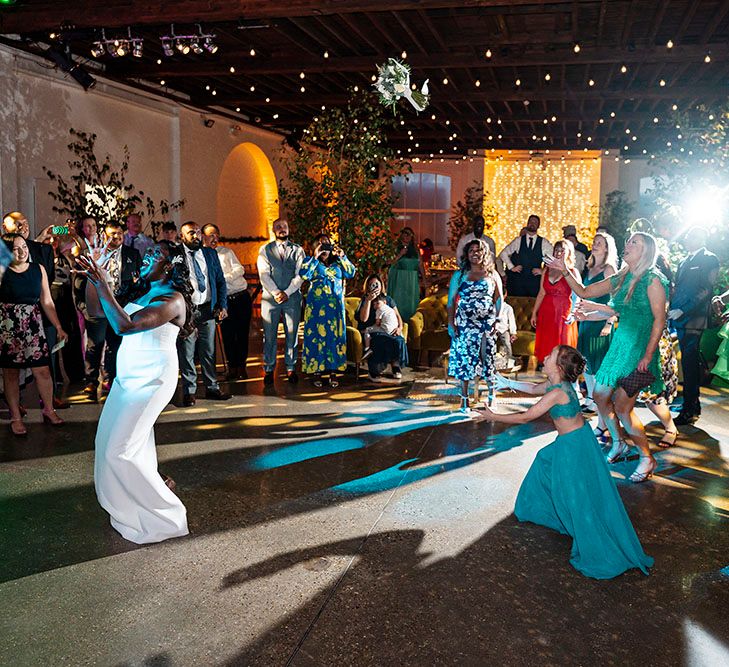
635, 381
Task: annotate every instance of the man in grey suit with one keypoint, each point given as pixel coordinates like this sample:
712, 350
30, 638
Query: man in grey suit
278, 264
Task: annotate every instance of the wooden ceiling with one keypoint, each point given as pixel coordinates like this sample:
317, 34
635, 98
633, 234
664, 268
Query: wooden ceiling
622, 77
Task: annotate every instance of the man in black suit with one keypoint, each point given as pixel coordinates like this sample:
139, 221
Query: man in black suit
210, 295
40, 253
690, 312
123, 269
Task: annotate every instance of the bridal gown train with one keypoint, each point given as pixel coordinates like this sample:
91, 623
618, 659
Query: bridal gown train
128, 485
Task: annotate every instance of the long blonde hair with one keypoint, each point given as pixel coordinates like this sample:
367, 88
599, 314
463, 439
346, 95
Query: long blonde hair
611, 257
569, 252
646, 263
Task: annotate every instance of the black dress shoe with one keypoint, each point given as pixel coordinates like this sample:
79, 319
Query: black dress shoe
292, 377
217, 395
188, 400
268, 378
686, 419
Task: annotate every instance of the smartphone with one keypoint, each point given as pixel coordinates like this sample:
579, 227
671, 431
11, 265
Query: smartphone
58, 346
59, 230
547, 259
326, 247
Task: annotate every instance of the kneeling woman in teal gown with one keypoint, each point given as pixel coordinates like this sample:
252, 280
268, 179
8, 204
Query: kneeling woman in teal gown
569, 487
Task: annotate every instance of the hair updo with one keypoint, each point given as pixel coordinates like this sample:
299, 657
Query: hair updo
570, 362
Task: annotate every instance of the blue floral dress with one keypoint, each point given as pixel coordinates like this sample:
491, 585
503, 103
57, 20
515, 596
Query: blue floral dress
325, 333
472, 352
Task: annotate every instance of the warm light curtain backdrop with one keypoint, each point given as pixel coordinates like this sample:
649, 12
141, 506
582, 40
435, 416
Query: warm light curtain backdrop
560, 191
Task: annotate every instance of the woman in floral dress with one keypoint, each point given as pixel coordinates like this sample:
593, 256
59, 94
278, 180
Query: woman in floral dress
24, 291
471, 318
325, 333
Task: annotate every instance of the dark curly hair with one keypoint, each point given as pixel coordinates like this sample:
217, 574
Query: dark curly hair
178, 278
571, 363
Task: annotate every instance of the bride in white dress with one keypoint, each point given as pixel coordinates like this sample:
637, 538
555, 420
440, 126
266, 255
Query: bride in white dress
128, 485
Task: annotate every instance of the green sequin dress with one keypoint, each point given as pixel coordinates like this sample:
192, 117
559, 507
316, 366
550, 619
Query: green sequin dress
634, 330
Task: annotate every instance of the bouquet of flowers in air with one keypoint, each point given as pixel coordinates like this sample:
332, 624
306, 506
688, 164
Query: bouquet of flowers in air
393, 83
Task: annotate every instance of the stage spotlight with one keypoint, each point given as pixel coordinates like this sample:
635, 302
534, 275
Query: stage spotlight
66, 64
210, 45
97, 50
183, 46
195, 46
167, 48
137, 48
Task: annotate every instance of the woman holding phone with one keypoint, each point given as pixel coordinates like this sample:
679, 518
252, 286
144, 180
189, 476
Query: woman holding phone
325, 332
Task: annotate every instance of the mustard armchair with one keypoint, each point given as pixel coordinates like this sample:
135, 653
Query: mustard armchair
428, 327
523, 346
355, 345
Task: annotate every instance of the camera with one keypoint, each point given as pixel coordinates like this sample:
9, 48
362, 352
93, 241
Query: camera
326, 247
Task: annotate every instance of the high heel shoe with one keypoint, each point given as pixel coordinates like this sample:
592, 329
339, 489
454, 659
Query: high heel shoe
52, 418
639, 477
18, 428
618, 452
668, 439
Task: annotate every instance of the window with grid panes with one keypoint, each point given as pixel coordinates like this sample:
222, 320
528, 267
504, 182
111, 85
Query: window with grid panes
423, 202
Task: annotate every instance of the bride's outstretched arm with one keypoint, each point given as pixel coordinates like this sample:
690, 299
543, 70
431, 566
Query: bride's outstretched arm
166, 309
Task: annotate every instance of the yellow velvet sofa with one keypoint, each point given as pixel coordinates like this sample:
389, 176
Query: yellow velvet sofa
428, 328
355, 347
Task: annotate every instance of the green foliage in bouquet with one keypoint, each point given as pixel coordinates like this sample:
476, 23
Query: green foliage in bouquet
340, 182
97, 189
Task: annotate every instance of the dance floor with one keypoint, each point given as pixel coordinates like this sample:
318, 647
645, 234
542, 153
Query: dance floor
359, 526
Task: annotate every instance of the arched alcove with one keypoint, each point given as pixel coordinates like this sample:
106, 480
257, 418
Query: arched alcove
247, 197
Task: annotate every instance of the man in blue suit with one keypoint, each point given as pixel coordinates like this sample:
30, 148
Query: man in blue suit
210, 295
690, 312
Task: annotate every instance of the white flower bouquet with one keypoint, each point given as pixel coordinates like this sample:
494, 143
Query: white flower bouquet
393, 83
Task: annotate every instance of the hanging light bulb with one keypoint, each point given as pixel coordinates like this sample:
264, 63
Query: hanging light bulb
252, 52
623, 69
669, 44
404, 55
576, 48
326, 54
707, 58
488, 53
547, 77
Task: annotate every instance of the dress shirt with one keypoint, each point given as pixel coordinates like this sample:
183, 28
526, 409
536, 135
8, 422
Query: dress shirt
506, 322
115, 269
198, 297
141, 244
470, 237
505, 255
233, 271
292, 253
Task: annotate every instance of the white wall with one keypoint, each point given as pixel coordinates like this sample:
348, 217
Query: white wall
173, 154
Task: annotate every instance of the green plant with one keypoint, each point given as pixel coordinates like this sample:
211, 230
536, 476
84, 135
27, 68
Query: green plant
616, 215
339, 181
99, 190
475, 202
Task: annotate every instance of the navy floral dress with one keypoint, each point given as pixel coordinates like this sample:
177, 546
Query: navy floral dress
472, 352
325, 333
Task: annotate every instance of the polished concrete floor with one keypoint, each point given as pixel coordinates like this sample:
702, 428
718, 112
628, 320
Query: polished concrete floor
368, 525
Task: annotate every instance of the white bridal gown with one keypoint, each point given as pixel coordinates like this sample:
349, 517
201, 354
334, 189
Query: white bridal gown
128, 484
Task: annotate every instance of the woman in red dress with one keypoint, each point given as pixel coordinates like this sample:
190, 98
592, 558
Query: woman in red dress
553, 306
